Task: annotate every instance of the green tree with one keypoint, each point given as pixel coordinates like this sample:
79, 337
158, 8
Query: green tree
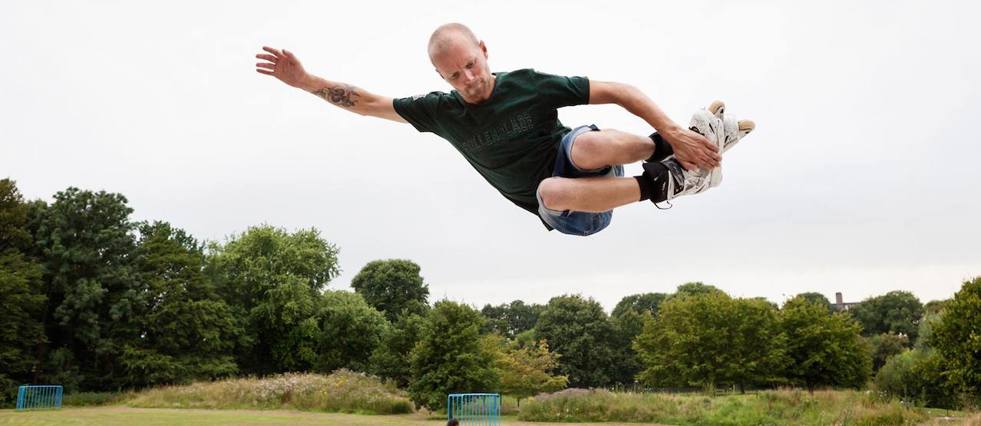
510, 320
628, 320
886, 345
817, 298
273, 279
87, 248
391, 358
824, 350
957, 337
627, 326
694, 288
393, 287
758, 345
350, 328
187, 332
916, 375
580, 332
524, 370
896, 312
709, 339
934, 306
639, 303
450, 356
21, 299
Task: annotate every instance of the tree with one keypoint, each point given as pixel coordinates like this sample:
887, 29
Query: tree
524, 369
896, 312
886, 345
580, 332
694, 288
627, 326
87, 248
757, 344
450, 357
824, 350
957, 337
349, 329
272, 279
628, 320
392, 357
917, 376
639, 303
21, 300
393, 287
709, 339
510, 320
817, 298
187, 332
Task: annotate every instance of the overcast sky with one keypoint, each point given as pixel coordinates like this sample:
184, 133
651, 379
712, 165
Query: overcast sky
862, 176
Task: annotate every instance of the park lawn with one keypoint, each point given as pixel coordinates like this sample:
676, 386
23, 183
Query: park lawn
125, 416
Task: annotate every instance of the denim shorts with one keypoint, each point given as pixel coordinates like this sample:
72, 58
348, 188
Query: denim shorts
572, 222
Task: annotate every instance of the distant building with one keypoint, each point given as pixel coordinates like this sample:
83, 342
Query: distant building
841, 305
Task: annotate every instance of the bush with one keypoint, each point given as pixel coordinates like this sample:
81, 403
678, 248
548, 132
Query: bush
915, 377
770, 407
343, 391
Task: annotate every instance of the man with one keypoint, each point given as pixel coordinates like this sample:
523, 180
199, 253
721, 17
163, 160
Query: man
506, 125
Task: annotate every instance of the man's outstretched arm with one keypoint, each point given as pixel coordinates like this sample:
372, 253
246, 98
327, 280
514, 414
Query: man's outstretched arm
691, 149
287, 68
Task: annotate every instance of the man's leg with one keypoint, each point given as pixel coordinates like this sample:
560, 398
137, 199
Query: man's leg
607, 147
588, 194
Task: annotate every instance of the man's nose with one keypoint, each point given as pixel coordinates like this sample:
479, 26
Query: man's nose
468, 76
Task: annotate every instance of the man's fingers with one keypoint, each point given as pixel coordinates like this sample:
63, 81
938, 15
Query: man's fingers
273, 51
262, 71
266, 65
269, 58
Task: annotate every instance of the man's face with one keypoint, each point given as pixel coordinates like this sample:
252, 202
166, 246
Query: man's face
464, 65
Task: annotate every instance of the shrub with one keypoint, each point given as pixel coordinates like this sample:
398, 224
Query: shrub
343, 391
915, 377
770, 407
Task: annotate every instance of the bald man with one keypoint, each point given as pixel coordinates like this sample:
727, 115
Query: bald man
506, 126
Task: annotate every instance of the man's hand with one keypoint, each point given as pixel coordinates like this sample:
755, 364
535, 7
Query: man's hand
692, 150
282, 65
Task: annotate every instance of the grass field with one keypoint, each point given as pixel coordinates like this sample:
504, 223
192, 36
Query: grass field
124, 416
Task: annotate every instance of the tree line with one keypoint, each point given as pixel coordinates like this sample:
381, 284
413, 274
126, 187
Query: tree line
95, 301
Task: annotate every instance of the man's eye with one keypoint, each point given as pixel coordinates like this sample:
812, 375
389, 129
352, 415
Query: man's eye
470, 65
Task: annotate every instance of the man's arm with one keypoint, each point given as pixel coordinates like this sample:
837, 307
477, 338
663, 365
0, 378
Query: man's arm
691, 149
287, 68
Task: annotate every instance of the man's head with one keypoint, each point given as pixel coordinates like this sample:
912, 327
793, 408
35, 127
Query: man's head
461, 60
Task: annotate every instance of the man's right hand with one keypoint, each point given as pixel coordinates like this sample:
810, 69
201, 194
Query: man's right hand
692, 150
282, 65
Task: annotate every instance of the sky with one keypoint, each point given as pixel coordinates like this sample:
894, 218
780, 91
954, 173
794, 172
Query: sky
861, 176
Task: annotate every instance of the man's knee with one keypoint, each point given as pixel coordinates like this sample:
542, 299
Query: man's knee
554, 193
588, 151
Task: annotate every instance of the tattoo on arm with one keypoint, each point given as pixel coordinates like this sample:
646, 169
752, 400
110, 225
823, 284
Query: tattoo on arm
341, 95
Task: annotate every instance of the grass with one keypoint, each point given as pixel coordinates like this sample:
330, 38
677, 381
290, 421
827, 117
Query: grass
343, 391
770, 407
126, 416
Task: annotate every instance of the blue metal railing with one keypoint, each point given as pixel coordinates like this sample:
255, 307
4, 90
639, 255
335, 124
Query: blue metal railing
34, 397
483, 409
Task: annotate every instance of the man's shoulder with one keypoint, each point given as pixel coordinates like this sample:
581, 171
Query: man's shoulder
434, 95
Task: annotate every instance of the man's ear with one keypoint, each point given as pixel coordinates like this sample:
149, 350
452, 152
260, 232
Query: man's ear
483, 48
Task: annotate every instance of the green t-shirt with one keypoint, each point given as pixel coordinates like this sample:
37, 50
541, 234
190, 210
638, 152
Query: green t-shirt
512, 137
